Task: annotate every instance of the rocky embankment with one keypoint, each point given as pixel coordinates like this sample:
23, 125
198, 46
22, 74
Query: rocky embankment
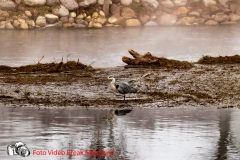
26, 14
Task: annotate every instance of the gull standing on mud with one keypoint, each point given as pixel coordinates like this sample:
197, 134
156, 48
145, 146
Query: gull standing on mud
121, 87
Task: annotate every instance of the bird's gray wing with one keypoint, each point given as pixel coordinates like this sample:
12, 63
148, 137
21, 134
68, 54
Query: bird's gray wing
123, 88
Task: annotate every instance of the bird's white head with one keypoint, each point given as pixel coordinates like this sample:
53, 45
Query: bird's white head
111, 78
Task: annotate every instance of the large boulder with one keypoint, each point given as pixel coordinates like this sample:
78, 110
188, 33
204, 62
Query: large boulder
7, 5
126, 2
221, 17
60, 11
117, 20
51, 18
41, 21
86, 3
69, 4
150, 4
35, 3
133, 23
52, 3
167, 19
128, 13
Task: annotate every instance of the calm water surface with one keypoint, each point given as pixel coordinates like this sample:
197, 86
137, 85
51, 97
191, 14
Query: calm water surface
105, 47
169, 134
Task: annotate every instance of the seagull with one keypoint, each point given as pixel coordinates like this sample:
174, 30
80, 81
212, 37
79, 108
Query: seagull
121, 87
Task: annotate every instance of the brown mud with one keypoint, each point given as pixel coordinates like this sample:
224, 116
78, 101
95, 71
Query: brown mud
73, 84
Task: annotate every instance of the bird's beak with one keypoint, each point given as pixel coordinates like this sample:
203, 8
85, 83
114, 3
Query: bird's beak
105, 79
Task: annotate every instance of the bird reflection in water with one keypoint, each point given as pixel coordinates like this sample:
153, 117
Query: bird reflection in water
116, 112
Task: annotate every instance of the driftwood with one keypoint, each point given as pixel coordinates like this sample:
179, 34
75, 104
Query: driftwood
149, 59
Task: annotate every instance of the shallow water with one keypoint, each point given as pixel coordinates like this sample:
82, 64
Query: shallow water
105, 47
169, 134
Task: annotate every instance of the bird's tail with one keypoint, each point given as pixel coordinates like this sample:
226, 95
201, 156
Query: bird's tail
134, 90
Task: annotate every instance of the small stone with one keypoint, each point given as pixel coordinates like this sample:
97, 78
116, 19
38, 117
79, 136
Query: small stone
88, 18
4, 14
51, 18
2, 18
117, 20
144, 19
31, 24
167, 19
52, 3
71, 20
64, 19
234, 17
126, 2
16, 24
128, 13
101, 13
72, 15
211, 23
194, 13
8, 25
81, 16
115, 9
28, 13
150, 5
133, 23
24, 26
181, 11
97, 25
87, 3
180, 2
167, 3
2, 24
41, 21
101, 19
60, 11
21, 20
208, 3
67, 25
221, 17
69, 4
35, 3
94, 15
151, 23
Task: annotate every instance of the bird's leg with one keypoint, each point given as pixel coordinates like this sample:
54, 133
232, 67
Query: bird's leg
124, 97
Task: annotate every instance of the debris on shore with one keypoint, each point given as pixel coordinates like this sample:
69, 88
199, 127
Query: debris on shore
149, 59
219, 60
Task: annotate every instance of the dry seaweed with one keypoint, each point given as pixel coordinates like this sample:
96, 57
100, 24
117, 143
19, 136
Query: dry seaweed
219, 60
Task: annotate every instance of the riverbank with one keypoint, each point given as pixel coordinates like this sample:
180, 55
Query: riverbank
215, 85
29, 14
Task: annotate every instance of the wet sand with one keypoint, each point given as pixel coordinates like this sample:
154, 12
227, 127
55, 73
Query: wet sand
201, 86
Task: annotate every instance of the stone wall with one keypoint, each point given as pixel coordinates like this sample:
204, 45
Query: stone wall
26, 14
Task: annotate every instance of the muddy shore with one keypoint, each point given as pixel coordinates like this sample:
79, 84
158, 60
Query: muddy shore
215, 85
